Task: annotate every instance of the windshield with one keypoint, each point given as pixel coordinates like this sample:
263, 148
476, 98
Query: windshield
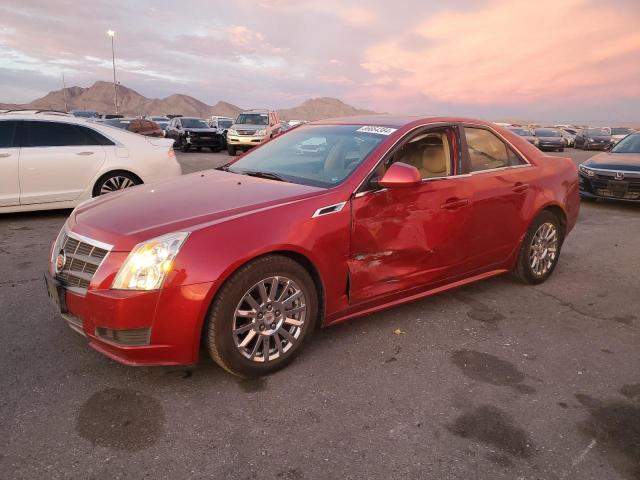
193, 123
543, 132
523, 132
84, 114
630, 144
225, 123
253, 119
621, 131
320, 156
603, 132
160, 119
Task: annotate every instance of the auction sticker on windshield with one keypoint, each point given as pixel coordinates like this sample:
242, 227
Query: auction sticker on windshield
378, 130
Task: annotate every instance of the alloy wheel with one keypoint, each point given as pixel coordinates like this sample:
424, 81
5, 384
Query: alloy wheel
118, 182
544, 249
269, 319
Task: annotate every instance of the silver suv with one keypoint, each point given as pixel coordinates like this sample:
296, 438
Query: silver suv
251, 128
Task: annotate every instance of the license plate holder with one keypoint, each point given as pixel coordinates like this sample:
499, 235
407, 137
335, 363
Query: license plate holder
56, 293
617, 187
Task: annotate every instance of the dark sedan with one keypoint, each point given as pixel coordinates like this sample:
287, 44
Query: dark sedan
593, 139
549, 139
524, 133
614, 174
189, 132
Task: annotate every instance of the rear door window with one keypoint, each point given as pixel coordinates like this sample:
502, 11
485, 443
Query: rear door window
57, 134
7, 133
487, 151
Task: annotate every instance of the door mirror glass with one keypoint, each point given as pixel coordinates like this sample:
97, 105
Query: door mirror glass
400, 175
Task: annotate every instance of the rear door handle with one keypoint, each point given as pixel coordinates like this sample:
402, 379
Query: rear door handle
455, 203
84, 153
520, 187
5, 155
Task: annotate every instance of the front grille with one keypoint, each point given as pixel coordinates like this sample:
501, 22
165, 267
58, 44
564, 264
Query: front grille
82, 261
246, 132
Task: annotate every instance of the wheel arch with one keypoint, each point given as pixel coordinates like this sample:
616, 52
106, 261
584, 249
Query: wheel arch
298, 257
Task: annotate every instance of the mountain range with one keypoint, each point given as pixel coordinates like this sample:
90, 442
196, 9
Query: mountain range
99, 97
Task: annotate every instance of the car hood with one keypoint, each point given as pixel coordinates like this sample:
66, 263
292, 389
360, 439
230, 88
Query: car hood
615, 161
189, 202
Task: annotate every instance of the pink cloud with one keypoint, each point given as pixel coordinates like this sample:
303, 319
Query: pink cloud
515, 52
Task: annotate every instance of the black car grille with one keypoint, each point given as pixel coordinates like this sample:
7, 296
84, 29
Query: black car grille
626, 188
82, 261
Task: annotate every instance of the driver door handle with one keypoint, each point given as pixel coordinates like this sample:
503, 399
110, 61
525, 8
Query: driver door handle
520, 187
455, 203
84, 153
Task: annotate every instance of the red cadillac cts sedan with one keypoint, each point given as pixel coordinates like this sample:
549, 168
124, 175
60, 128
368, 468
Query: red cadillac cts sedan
330, 221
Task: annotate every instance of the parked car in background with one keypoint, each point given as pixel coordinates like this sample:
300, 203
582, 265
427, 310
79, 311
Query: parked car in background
613, 174
85, 113
524, 133
593, 139
136, 125
618, 133
569, 138
222, 124
251, 128
249, 259
191, 132
161, 120
51, 161
549, 139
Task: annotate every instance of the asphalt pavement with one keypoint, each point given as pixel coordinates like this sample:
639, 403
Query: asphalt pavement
496, 380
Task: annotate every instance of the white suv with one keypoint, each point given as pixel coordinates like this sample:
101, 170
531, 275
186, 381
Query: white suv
50, 160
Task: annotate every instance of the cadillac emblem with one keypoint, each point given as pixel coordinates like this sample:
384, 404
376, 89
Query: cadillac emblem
61, 259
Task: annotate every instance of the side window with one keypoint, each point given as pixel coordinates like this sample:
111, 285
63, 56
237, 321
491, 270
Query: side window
96, 138
486, 151
57, 134
7, 132
431, 152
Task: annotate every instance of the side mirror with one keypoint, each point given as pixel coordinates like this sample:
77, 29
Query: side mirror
400, 175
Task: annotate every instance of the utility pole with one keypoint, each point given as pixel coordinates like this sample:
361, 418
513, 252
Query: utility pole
64, 93
112, 34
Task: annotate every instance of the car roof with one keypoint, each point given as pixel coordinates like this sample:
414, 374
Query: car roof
51, 117
395, 121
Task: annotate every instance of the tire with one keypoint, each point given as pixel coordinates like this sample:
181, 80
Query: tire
524, 270
226, 348
184, 146
588, 199
561, 150
215, 149
231, 150
114, 181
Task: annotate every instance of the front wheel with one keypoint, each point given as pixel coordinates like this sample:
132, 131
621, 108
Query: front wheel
540, 249
232, 150
262, 316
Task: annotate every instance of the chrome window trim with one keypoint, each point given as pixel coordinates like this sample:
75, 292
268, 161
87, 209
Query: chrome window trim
527, 163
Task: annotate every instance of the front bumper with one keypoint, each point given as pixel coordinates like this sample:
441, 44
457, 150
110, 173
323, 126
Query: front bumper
551, 146
605, 186
244, 140
213, 141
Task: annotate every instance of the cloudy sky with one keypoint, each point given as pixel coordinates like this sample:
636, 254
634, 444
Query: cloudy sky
534, 59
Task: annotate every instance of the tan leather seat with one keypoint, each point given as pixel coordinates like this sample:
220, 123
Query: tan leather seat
434, 161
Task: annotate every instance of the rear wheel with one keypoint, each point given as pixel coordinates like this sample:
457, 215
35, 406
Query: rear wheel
540, 249
262, 316
114, 181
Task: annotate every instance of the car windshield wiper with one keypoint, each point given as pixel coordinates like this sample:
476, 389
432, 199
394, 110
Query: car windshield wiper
268, 175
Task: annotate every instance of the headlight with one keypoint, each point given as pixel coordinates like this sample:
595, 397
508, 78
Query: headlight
590, 140
587, 171
188, 133
261, 133
149, 262
231, 131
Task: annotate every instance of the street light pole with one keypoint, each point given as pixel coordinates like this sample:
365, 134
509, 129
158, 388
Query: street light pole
112, 34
